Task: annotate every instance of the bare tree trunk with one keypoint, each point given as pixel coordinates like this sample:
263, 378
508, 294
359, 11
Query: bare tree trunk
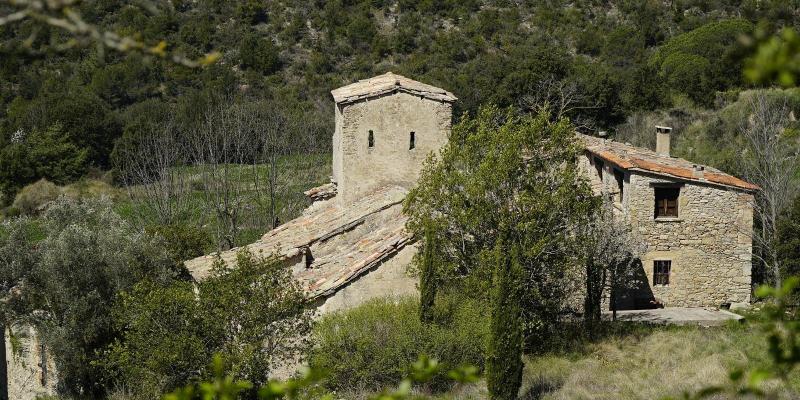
770, 161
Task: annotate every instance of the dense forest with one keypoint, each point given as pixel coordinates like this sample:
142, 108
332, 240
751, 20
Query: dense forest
610, 59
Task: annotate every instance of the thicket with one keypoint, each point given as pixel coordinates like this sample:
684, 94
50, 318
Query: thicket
371, 346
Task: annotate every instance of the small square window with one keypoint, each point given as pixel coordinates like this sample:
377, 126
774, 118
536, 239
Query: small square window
666, 202
661, 270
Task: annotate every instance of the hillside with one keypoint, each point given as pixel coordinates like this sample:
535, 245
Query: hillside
610, 59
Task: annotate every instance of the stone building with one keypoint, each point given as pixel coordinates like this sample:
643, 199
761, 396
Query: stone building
696, 221
351, 245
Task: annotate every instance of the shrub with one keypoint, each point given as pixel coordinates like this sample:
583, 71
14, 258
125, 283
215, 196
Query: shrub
370, 347
34, 197
253, 316
183, 242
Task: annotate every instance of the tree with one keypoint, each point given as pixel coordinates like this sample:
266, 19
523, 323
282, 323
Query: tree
771, 161
501, 168
253, 314
427, 278
504, 359
62, 274
788, 240
611, 255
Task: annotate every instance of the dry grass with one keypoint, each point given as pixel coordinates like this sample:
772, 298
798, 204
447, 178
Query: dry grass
664, 363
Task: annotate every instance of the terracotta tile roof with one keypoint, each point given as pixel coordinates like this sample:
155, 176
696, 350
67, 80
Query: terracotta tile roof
640, 159
388, 83
323, 192
348, 240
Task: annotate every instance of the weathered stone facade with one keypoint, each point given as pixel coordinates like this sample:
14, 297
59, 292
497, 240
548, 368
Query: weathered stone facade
31, 373
391, 118
708, 244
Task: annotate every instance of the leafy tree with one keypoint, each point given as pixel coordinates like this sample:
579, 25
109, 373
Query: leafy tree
788, 240
504, 359
252, 313
66, 282
502, 169
47, 154
259, 54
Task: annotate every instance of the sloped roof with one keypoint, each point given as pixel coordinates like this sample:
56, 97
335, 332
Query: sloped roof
640, 159
352, 239
388, 83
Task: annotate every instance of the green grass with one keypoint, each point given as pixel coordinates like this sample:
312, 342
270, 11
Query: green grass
639, 362
296, 174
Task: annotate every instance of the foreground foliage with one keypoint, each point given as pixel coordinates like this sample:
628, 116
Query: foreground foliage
252, 313
370, 346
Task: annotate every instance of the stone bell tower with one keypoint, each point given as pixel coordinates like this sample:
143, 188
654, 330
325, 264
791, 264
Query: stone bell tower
385, 128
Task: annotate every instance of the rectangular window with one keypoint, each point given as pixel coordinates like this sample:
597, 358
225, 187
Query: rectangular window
371, 139
667, 202
661, 270
620, 178
412, 141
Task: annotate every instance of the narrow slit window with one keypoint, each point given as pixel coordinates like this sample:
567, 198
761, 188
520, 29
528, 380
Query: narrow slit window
371, 139
412, 139
666, 202
661, 271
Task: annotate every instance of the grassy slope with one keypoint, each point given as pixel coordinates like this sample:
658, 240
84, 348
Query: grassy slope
648, 364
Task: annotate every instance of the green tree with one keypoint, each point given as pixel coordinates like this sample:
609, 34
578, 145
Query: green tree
68, 268
504, 359
252, 313
502, 168
259, 54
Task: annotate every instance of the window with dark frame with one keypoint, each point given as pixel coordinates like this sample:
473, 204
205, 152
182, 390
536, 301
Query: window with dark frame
371, 139
412, 141
598, 165
661, 270
667, 202
620, 178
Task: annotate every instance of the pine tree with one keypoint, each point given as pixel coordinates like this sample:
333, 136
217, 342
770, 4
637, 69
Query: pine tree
427, 277
504, 360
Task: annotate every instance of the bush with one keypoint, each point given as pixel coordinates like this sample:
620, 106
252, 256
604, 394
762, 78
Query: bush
254, 316
371, 346
34, 197
183, 242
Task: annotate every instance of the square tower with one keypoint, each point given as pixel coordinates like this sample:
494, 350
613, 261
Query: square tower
386, 127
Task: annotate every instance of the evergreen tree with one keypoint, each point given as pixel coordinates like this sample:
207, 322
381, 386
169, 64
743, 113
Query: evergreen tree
504, 360
427, 277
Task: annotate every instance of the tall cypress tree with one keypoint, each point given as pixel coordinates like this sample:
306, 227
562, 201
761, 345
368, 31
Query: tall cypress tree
504, 360
427, 277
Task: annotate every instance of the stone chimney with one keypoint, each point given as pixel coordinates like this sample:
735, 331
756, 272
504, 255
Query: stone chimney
662, 139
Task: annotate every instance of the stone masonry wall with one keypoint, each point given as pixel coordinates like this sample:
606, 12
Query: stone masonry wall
358, 168
25, 372
709, 244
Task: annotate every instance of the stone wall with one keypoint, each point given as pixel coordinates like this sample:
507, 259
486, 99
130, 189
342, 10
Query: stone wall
27, 380
387, 279
357, 168
709, 244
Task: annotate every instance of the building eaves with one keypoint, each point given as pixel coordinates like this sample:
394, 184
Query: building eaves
634, 158
388, 83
